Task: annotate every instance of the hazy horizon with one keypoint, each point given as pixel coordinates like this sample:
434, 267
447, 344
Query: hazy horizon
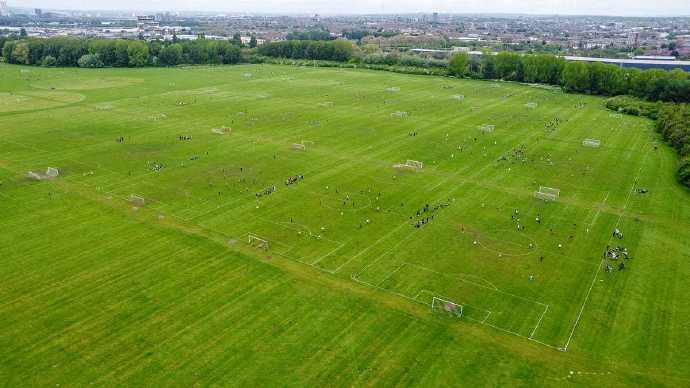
624, 8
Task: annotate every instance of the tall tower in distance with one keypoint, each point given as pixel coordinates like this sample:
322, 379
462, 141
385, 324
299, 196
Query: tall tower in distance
4, 9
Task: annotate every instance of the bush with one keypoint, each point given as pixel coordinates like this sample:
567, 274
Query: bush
90, 61
49, 61
684, 172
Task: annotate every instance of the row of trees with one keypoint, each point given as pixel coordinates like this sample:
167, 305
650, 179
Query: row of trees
117, 52
672, 122
579, 77
674, 125
336, 50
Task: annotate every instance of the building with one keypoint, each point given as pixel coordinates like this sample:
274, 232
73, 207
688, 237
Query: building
636, 63
4, 9
148, 27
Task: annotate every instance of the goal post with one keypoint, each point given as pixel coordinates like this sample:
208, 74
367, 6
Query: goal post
410, 164
298, 147
440, 305
591, 143
487, 128
414, 164
258, 242
137, 200
52, 172
547, 193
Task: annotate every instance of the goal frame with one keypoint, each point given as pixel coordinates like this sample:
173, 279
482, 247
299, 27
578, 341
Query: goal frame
263, 244
591, 143
414, 164
447, 307
52, 172
547, 193
298, 147
487, 128
137, 200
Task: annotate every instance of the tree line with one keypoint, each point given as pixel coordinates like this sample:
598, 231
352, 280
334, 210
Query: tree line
578, 77
335, 50
63, 51
672, 122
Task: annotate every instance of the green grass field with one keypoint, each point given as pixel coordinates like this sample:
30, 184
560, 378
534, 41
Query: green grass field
96, 289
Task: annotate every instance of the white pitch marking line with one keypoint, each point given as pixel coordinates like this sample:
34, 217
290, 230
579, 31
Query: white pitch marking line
531, 335
390, 275
600, 264
370, 246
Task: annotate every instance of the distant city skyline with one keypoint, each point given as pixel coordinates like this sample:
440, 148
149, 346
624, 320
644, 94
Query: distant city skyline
548, 7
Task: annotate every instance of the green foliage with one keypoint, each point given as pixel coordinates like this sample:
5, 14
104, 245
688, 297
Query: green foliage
459, 64
684, 172
672, 122
252, 41
575, 77
138, 53
339, 50
309, 35
509, 66
90, 61
49, 61
170, 55
20, 54
633, 106
237, 39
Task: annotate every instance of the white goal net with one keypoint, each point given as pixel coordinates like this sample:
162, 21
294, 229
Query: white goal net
531, 105
221, 130
487, 128
257, 242
447, 307
137, 200
298, 147
459, 97
592, 143
410, 164
547, 193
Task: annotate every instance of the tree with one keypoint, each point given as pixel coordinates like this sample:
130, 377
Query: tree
170, 55
138, 53
90, 61
8, 49
121, 53
509, 66
49, 61
22, 33
237, 39
459, 64
575, 77
20, 54
252, 42
684, 172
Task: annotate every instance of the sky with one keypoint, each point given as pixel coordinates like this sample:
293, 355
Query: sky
326, 7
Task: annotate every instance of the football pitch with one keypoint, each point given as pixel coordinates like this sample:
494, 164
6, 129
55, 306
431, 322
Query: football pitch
277, 225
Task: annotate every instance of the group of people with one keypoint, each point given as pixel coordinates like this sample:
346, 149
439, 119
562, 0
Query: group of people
427, 214
267, 191
121, 139
185, 137
617, 234
157, 167
294, 179
615, 253
552, 124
